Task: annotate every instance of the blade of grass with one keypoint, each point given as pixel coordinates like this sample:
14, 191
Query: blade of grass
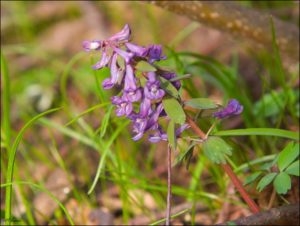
86, 112
105, 152
5, 98
71, 133
184, 34
11, 161
10, 184
64, 77
158, 222
260, 132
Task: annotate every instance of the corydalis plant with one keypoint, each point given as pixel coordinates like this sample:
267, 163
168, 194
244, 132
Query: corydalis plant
141, 91
148, 93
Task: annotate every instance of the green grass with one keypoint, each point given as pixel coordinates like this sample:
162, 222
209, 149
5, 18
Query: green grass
80, 133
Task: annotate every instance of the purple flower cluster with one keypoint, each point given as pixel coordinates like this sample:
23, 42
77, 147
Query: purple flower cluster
233, 108
141, 102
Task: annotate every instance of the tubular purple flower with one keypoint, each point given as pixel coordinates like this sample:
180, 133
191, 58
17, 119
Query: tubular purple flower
153, 119
93, 45
233, 108
107, 84
137, 50
155, 53
121, 36
133, 95
125, 55
129, 80
124, 107
115, 72
145, 108
139, 126
160, 135
105, 58
152, 89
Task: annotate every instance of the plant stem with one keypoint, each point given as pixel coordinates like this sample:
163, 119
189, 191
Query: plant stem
169, 196
237, 183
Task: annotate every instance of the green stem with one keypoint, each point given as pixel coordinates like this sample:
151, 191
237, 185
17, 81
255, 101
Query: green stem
169, 197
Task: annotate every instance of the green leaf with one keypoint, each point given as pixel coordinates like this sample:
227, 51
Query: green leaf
216, 149
252, 177
168, 87
267, 179
180, 77
282, 183
201, 103
288, 155
174, 110
259, 132
12, 158
171, 134
144, 66
293, 169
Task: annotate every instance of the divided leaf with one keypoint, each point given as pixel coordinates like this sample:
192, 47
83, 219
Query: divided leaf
282, 183
265, 181
288, 155
174, 110
216, 149
249, 179
293, 169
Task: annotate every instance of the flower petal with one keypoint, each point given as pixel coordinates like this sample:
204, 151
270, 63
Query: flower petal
91, 45
123, 35
233, 108
105, 58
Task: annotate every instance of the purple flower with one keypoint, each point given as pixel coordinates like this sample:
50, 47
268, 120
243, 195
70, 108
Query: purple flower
105, 58
155, 53
152, 89
142, 123
147, 96
130, 79
139, 125
160, 135
133, 95
122, 36
115, 72
124, 107
170, 75
93, 45
137, 50
145, 108
153, 117
122, 53
233, 108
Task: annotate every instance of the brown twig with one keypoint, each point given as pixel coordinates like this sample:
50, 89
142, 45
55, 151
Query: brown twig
239, 21
283, 215
252, 205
